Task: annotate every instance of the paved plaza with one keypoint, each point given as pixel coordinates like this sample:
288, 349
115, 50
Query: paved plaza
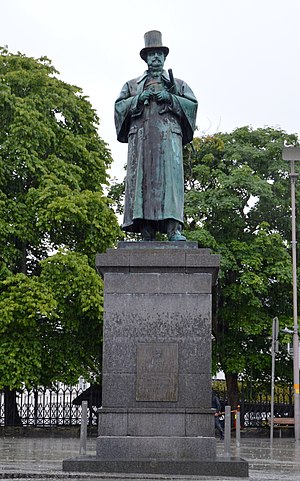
41, 458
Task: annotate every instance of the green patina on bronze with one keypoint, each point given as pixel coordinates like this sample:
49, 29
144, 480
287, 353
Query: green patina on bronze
155, 114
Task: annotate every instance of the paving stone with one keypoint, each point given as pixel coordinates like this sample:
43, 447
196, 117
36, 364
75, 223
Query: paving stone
41, 458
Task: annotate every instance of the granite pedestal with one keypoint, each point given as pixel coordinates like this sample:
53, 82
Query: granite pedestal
156, 412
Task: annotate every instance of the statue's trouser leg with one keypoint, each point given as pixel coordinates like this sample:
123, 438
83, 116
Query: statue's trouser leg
148, 232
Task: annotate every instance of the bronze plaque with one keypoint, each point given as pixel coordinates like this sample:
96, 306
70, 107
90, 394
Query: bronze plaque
157, 371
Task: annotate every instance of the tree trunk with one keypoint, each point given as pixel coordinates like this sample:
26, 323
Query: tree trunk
11, 414
232, 389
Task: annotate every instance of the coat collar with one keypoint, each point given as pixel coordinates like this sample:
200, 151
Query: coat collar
165, 76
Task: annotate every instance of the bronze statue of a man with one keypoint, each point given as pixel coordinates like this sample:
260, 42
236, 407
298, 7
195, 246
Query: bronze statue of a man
156, 115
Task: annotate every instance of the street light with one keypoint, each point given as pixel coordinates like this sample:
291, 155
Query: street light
274, 350
292, 154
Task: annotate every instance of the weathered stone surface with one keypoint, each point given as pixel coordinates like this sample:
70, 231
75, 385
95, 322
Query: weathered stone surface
199, 423
164, 318
171, 315
156, 448
114, 257
158, 258
120, 390
157, 283
221, 467
159, 245
194, 355
113, 422
182, 259
201, 259
155, 422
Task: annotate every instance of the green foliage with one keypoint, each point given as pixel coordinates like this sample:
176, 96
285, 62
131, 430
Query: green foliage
237, 203
53, 166
117, 194
24, 302
72, 338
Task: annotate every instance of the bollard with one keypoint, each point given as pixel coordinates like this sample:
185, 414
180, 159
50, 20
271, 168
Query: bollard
83, 428
227, 437
238, 427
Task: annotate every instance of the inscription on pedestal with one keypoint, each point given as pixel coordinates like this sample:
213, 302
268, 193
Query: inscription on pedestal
157, 371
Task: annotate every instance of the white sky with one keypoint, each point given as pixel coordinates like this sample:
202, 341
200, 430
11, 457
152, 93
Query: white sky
240, 57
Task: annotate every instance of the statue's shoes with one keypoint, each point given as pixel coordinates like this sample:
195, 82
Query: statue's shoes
177, 237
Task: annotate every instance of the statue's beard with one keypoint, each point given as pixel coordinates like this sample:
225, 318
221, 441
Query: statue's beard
155, 70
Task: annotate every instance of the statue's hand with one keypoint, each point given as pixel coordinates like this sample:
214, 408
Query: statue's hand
145, 96
164, 96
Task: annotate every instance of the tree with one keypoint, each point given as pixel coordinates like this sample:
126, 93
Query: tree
54, 218
237, 203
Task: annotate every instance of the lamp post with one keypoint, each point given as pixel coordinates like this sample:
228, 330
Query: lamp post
274, 350
292, 154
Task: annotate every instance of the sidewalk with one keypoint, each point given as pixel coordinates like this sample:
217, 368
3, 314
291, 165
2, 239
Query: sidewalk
41, 458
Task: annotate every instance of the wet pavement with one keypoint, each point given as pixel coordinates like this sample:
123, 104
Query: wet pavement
28, 459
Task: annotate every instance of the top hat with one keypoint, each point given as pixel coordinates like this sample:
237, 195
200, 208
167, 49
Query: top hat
153, 41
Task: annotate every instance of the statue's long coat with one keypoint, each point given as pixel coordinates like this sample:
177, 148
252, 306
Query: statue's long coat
155, 133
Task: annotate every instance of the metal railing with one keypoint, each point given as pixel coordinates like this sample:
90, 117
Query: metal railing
44, 407
255, 407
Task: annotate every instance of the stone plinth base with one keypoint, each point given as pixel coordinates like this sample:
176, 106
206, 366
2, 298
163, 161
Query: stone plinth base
155, 448
156, 415
220, 466
155, 422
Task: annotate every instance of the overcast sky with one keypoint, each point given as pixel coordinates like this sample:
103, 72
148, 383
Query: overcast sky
240, 57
